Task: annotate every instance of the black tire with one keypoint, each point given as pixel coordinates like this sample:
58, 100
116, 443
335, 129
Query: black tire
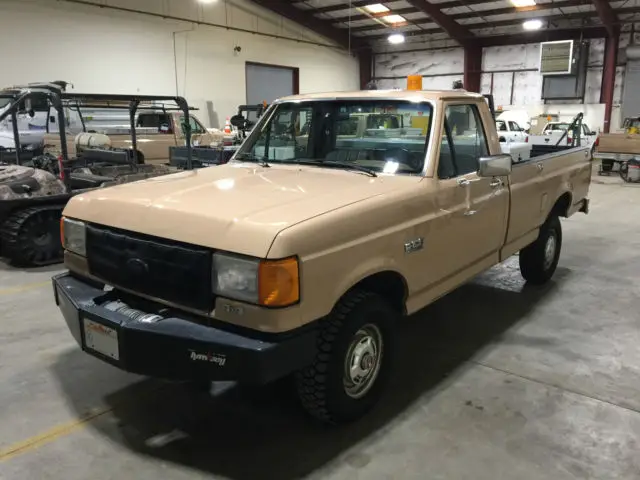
31, 237
537, 264
606, 165
322, 387
624, 171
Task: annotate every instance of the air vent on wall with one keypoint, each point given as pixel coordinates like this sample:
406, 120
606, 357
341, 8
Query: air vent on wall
556, 58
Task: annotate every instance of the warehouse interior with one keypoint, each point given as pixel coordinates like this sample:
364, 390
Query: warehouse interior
501, 368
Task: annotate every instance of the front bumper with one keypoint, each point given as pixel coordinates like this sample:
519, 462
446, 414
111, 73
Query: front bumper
174, 347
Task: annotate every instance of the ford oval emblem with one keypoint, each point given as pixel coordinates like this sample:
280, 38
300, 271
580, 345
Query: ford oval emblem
137, 267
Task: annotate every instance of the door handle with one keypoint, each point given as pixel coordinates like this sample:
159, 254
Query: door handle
540, 167
463, 182
496, 183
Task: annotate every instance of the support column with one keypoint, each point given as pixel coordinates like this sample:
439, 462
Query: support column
609, 77
472, 68
365, 60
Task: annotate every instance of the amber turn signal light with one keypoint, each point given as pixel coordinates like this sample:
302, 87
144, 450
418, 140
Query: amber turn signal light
278, 282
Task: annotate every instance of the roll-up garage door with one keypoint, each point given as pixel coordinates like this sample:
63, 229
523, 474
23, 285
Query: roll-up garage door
267, 83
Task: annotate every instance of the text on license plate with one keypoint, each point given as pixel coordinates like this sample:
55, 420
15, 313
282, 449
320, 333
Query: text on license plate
101, 339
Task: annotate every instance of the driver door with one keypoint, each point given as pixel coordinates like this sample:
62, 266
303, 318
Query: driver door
198, 132
472, 211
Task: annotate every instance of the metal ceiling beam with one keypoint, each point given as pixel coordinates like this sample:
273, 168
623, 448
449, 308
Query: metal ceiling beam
503, 23
344, 6
607, 16
459, 33
476, 13
364, 3
543, 36
306, 19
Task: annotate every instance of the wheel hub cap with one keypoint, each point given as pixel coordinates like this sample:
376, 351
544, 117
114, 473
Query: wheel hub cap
549, 251
362, 363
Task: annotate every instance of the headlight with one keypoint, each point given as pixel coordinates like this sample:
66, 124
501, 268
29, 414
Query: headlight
272, 283
73, 236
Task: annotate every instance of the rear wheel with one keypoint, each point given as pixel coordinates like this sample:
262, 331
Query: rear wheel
355, 348
539, 260
31, 237
624, 171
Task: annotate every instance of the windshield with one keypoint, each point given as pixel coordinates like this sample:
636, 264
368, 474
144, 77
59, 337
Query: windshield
379, 135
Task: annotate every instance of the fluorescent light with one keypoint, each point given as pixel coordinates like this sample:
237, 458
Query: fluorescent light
534, 24
394, 19
523, 3
207, 1
396, 38
376, 8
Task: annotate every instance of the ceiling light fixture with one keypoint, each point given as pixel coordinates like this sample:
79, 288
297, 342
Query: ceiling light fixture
534, 24
396, 38
394, 19
523, 3
376, 8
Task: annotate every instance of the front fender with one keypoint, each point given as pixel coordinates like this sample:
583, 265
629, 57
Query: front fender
362, 271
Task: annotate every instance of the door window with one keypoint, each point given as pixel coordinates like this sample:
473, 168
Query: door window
194, 124
287, 135
514, 127
463, 141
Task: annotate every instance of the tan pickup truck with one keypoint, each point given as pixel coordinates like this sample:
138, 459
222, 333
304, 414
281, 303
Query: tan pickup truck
301, 256
156, 132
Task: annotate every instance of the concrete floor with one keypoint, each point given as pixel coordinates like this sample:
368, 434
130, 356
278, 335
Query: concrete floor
497, 381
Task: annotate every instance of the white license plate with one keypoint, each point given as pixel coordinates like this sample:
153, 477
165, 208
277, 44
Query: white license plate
101, 339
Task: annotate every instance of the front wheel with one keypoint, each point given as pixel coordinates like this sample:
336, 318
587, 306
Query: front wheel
539, 260
355, 348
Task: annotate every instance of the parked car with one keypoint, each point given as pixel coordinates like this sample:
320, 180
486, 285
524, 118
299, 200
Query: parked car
156, 131
302, 254
554, 130
510, 132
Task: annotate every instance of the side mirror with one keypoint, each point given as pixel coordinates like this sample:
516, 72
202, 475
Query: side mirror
495, 166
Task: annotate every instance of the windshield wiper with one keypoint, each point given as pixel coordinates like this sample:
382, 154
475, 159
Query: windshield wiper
331, 163
350, 166
252, 158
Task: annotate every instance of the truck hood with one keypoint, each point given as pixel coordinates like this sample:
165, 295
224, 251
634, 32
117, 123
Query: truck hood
233, 207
